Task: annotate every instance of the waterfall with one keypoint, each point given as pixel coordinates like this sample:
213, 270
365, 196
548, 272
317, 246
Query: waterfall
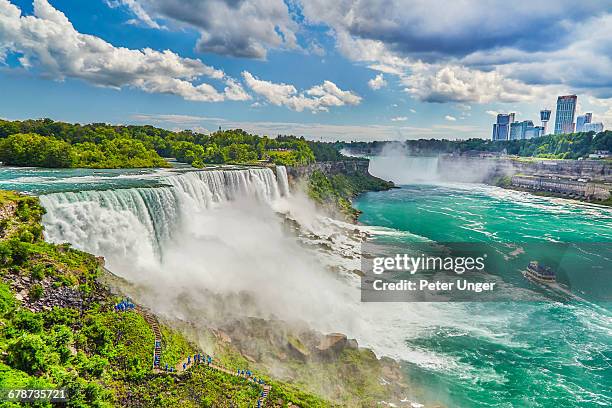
200, 244
283, 181
136, 223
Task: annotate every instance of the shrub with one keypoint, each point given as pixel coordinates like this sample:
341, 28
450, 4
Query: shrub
36, 292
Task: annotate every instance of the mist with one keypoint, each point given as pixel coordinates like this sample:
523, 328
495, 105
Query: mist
200, 255
396, 163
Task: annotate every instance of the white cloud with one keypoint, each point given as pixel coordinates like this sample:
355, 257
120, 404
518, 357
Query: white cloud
244, 28
399, 119
450, 118
48, 40
315, 48
377, 82
412, 110
544, 50
492, 113
137, 10
432, 83
317, 98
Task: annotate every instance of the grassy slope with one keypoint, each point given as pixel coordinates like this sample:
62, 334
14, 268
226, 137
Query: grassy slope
337, 191
101, 357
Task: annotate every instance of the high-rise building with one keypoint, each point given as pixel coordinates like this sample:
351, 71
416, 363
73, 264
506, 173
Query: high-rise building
535, 131
582, 120
593, 127
520, 130
544, 117
566, 109
501, 129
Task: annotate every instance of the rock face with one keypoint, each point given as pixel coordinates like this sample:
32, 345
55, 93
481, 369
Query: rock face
570, 188
52, 295
332, 344
330, 168
595, 170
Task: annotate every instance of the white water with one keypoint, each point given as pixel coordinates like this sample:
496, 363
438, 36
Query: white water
283, 182
209, 245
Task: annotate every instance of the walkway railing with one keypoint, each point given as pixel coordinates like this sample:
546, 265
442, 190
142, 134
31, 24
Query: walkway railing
197, 358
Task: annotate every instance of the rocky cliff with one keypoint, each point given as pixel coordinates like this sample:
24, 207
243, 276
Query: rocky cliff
594, 170
330, 168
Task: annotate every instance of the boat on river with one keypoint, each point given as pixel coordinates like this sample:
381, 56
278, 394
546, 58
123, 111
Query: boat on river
540, 273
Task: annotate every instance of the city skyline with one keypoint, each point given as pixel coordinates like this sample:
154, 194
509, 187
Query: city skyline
507, 127
345, 71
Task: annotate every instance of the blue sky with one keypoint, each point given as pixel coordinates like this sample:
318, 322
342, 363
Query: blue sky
350, 70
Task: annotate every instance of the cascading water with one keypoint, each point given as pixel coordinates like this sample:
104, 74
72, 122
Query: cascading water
283, 181
202, 242
137, 221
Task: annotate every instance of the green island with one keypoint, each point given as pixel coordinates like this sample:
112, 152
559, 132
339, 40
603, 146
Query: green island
46, 143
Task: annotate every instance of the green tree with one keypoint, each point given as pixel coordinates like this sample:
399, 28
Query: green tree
30, 149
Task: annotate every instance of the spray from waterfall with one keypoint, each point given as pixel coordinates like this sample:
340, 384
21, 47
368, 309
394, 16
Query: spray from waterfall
210, 239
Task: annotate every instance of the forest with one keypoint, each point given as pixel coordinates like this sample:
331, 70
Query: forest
563, 146
46, 143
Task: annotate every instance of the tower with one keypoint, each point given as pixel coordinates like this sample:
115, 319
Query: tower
501, 129
544, 117
566, 109
582, 120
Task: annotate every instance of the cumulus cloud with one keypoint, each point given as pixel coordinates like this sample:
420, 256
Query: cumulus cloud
432, 29
433, 83
377, 82
138, 11
473, 52
240, 28
48, 40
450, 118
399, 119
317, 98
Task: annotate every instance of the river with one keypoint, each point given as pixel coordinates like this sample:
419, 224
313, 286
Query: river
500, 354
191, 237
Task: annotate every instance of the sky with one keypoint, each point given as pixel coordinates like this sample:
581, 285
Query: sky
326, 70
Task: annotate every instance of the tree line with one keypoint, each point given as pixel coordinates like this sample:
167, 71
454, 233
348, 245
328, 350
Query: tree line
563, 146
46, 143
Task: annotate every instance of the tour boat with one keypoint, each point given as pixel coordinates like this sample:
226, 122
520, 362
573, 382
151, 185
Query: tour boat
539, 273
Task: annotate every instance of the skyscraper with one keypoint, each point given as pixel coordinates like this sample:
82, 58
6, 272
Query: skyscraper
583, 120
566, 109
501, 129
522, 130
593, 127
544, 117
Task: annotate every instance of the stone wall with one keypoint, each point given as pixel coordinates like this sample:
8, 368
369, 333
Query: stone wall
330, 168
588, 191
489, 168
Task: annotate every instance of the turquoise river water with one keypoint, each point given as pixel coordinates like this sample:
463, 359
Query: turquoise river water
510, 354
503, 354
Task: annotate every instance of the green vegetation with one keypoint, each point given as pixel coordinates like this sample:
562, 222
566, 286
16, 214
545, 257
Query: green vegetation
240, 147
59, 330
31, 149
176, 347
46, 143
336, 191
565, 146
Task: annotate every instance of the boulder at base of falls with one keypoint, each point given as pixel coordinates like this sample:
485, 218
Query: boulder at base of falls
332, 344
